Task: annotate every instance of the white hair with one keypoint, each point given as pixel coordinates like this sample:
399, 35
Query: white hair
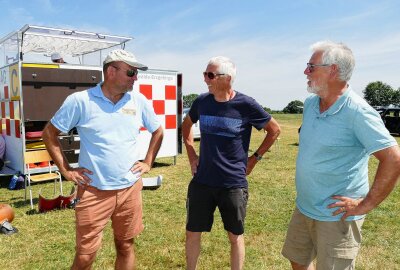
224, 66
338, 54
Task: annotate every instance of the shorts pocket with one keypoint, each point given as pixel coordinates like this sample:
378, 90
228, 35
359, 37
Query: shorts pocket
245, 195
348, 242
344, 252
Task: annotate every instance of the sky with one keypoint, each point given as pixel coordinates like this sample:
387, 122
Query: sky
268, 41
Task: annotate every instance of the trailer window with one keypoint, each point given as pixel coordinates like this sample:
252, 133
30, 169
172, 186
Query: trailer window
9, 51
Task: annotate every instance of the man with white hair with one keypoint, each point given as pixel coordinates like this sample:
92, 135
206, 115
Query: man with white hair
219, 175
108, 119
338, 134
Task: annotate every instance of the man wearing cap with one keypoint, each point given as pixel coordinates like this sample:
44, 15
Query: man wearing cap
57, 58
108, 118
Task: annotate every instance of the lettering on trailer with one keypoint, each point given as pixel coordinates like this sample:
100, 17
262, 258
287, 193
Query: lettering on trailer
167, 78
14, 83
3, 76
4, 83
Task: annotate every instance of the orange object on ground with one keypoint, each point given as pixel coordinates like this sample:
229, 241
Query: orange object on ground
6, 213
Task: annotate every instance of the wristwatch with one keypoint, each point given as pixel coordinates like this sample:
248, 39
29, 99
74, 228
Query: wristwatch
257, 156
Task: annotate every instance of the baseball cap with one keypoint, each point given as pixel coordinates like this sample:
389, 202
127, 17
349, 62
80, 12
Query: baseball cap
55, 56
124, 56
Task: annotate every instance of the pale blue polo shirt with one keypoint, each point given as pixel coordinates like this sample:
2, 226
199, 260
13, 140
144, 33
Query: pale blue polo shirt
108, 133
334, 150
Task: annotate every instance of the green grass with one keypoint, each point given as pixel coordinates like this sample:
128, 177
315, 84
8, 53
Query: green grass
47, 241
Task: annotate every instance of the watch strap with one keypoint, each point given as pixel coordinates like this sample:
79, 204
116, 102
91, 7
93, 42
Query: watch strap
257, 156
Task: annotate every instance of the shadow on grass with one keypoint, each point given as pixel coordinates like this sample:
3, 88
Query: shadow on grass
31, 212
20, 202
161, 164
151, 188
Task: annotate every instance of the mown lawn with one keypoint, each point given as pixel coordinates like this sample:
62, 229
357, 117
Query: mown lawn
46, 241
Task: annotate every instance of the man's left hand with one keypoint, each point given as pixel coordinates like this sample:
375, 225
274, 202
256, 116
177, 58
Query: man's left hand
347, 206
141, 167
251, 163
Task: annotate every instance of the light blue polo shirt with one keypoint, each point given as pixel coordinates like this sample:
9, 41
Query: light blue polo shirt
334, 150
108, 133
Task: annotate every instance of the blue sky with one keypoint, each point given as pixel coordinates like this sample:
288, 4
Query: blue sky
268, 40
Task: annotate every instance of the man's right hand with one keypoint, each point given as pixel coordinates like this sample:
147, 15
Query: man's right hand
194, 163
78, 176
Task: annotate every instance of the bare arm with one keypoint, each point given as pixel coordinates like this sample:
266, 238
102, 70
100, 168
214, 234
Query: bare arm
187, 134
50, 139
273, 130
385, 180
154, 146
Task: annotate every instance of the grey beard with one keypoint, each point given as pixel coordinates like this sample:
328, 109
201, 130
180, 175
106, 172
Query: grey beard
313, 90
318, 90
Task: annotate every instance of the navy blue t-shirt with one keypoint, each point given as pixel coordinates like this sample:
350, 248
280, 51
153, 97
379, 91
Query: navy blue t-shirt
225, 137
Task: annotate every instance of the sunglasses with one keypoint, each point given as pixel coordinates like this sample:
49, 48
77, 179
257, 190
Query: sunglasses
212, 75
129, 72
312, 66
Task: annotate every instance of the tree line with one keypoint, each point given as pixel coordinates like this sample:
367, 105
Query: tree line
375, 93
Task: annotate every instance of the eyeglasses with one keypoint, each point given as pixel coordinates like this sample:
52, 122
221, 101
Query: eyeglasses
312, 66
212, 75
129, 72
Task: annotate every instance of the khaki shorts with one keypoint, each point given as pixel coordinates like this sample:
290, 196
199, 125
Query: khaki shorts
334, 244
96, 207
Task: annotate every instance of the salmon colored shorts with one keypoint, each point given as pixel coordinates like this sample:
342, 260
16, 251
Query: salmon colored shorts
96, 207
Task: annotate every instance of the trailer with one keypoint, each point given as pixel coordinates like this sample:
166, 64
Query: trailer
32, 88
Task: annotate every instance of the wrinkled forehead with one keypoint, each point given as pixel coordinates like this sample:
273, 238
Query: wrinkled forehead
212, 68
316, 57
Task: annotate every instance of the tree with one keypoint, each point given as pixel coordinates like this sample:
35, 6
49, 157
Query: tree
295, 106
396, 97
380, 94
268, 110
188, 100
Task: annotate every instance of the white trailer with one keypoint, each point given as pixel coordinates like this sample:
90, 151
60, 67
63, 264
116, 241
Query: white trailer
32, 88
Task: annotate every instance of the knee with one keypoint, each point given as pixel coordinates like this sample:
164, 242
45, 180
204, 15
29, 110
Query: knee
193, 236
124, 247
83, 261
235, 239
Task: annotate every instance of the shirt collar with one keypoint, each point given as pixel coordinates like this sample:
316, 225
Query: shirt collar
99, 93
336, 107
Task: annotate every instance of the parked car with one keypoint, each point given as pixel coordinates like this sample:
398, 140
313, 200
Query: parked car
195, 127
390, 117
380, 109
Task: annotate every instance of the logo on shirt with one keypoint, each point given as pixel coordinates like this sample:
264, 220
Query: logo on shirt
222, 126
128, 111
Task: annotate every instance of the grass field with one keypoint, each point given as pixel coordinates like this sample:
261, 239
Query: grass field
46, 241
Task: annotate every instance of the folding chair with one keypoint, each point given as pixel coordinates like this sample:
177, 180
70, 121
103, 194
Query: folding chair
43, 157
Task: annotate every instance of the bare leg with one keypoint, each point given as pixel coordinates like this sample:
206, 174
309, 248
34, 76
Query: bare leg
237, 251
125, 255
83, 262
296, 266
192, 249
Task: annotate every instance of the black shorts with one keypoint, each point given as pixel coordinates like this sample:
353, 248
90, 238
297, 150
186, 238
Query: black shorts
202, 201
